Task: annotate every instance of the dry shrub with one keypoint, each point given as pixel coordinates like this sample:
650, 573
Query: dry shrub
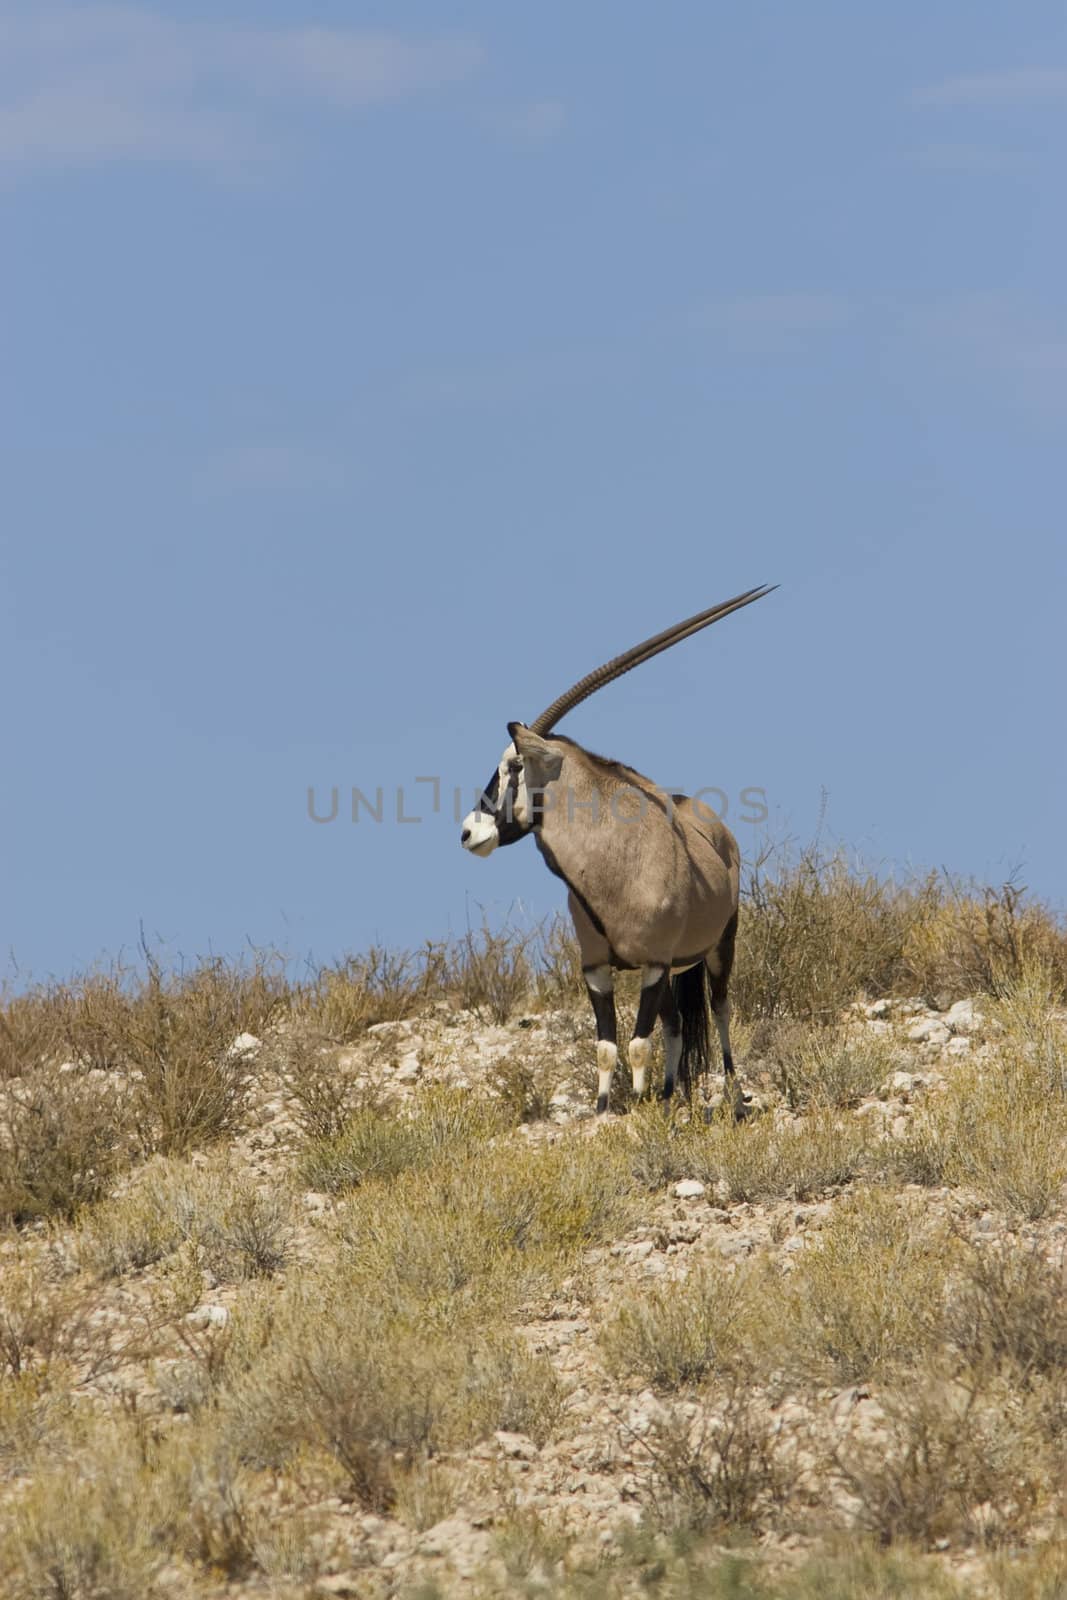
816, 932
975, 939
681, 1332
560, 980
399, 1346
342, 1001
380, 1144
64, 1134
959, 1459
135, 1503
41, 1322
30, 1030
321, 1080
1008, 1315
172, 1037
794, 1160
718, 1470
379, 1385
993, 1130
866, 1296
525, 1082
492, 972
828, 1066
37, 1421
236, 1228
505, 1219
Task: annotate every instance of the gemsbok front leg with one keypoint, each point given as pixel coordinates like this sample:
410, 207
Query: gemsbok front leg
655, 981
600, 983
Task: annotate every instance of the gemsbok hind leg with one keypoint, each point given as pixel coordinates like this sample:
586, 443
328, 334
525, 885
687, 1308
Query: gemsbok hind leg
654, 982
671, 1019
720, 964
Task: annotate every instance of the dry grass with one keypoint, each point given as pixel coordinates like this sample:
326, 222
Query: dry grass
817, 931
682, 1332
866, 1296
960, 1459
719, 1471
234, 1227
366, 1366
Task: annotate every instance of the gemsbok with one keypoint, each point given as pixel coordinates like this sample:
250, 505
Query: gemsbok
652, 877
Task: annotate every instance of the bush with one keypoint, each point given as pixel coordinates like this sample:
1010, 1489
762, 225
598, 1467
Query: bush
63, 1137
679, 1333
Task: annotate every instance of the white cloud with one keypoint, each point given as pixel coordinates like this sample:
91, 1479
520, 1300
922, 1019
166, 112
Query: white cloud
1021, 87
99, 82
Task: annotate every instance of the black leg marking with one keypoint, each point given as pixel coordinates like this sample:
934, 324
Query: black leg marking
649, 1005
602, 996
672, 1035
719, 983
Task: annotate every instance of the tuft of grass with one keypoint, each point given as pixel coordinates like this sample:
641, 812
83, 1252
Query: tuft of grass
680, 1333
995, 1130
718, 1471
865, 1298
829, 1067
958, 1460
340, 1002
235, 1228
376, 1144
64, 1135
755, 1161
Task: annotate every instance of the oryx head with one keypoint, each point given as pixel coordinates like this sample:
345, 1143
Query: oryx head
509, 807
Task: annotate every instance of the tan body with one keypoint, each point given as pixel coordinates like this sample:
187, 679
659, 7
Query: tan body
659, 874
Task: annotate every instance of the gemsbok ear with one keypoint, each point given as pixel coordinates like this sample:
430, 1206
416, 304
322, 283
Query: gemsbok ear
543, 760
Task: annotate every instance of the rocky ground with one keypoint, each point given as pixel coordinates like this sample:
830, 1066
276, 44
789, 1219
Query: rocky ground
571, 1495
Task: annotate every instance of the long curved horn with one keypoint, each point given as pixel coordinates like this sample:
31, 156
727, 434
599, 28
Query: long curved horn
641, 652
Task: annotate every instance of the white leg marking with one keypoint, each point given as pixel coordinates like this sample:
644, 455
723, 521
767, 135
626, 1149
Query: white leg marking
599, 979
640, 1054
650, 975
606, 1056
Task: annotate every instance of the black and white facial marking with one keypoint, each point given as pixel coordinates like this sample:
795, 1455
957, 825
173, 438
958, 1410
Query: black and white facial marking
503, 812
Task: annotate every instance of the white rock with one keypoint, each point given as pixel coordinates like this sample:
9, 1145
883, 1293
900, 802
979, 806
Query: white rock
516, 1445
958, 1047
877, 1008
209, 1317
929, 1030
688, 1189
245, 1044
962, 1017
408, 1069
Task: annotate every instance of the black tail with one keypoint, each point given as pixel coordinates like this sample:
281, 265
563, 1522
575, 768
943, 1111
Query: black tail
690, 991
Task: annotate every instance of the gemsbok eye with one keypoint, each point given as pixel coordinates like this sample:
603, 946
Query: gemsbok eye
659, 894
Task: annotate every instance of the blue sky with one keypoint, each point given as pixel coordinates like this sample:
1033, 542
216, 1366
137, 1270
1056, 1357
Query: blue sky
369, 373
